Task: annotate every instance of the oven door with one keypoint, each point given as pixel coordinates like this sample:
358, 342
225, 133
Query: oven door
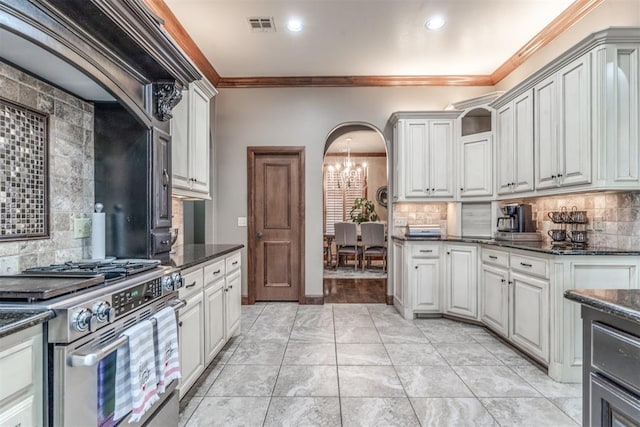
84, 379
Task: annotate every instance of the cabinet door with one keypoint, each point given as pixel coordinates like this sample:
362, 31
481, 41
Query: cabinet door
180, 143
425, 278
161, 179
233, 303
214, 330
461, 288
504, 147
529, 323
494, 299
440, 158
476, 166
545, 121
398, 269
574, 100
523, 143
199, 132
416, 155
190, 323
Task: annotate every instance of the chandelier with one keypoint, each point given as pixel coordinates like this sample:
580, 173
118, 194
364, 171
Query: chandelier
348, 173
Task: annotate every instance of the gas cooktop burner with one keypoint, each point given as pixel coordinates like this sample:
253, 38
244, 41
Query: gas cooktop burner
111, 269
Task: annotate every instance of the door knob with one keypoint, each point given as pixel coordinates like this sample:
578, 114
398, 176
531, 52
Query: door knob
259, 234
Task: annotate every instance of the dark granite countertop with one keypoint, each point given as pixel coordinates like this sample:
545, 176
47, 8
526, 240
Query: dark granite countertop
12, 320
540, 247
623, 303
189, 255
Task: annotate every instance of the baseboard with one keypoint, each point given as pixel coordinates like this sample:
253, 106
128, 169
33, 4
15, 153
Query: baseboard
313, 300
389, 299
245, 300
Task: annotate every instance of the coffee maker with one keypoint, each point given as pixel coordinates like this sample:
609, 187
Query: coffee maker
518, 219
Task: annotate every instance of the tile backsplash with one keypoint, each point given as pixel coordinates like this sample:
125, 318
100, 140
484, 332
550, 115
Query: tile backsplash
71, 177
177, 219
419, 213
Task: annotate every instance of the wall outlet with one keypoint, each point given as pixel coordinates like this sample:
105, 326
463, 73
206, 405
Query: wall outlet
242, 221
598, 224
81, 228
399, 222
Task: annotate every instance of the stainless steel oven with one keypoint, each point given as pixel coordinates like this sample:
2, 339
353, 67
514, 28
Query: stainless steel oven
91, 314
84, 376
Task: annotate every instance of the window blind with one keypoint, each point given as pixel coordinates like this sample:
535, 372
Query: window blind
339, 199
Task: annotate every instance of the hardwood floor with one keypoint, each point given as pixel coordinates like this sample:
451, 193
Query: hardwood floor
364, 291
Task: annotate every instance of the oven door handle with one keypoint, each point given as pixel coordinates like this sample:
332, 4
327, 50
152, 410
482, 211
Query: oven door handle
90, 359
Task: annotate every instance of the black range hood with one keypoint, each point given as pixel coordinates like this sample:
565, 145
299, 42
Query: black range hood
121, 46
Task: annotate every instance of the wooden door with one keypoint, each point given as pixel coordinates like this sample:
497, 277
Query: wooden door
276, 224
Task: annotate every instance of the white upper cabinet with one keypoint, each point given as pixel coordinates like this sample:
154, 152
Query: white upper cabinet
190, 133
616, 101
562, 121
474, 152
423, 155
514, 145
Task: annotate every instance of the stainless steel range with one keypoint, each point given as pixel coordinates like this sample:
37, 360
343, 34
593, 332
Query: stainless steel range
93, 304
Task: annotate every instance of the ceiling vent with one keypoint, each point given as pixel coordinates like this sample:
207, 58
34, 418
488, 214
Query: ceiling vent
262, 24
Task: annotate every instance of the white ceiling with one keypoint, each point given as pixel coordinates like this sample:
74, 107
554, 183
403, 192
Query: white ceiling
363, 37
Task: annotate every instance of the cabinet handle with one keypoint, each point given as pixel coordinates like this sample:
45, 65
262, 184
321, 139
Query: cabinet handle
524, 264
165, 178
510, 282
164, 242
416, 267
461, 189
560, 175
234, 263
448, 253
217, 271
433, 189
553, 176
424, 251
493, 257
230, 286
226, 289
191, 285
180, 324
503, 280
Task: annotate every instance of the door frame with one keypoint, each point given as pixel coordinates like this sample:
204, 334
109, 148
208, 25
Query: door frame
252, 152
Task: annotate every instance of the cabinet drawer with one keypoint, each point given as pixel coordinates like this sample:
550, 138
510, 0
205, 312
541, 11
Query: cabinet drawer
17, 369
616, 354
215, 271
425, 251
19, 414
530, 265
233, 262
491, 256
193, 282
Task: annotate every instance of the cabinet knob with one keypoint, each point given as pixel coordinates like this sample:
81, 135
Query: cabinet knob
433, 189
553, 176
180, 324
416, 267
461, 189
559, 175
503, 280
510, 282
448, 253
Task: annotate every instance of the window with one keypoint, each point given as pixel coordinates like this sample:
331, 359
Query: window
339, 198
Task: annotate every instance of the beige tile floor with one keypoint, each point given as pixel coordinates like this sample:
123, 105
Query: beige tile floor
364, 365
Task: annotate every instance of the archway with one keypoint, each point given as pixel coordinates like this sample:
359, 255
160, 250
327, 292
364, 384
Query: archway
355, 173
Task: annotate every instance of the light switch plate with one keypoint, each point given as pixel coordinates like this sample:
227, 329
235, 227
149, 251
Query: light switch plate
242, 221
81, 228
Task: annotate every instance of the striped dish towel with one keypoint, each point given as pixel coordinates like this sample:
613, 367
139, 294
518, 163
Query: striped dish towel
136, 385
166, 341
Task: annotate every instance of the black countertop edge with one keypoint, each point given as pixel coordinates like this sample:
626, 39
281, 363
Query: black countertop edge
540, 247
186, 256
624, 303
15, 320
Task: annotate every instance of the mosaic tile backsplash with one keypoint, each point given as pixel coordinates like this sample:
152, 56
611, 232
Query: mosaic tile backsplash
24, 210
71, 177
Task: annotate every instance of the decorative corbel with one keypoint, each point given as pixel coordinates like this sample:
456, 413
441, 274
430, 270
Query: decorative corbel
166, 95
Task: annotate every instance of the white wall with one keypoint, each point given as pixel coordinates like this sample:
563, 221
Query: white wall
300, 117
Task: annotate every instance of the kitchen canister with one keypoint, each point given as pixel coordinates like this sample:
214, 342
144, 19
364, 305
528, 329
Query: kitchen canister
98, 233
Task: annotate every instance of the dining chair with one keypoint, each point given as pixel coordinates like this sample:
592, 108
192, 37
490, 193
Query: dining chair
373, 243
347, 242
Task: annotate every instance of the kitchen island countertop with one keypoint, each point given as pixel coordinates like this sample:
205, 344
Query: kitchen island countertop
540, 247
12, 320
186, 256
623, 303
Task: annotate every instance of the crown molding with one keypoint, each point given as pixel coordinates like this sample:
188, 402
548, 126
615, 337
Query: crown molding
354, 81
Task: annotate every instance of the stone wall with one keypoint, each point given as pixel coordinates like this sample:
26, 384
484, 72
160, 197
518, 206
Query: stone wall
71, 176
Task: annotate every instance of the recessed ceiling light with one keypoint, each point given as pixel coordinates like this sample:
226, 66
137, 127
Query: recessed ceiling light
294, 25
434, 23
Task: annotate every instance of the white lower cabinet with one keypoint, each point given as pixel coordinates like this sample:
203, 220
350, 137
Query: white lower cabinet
21, 378
494, 300
515, 299
212, 314
425, 277
191, 341
529, 315
461, 280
